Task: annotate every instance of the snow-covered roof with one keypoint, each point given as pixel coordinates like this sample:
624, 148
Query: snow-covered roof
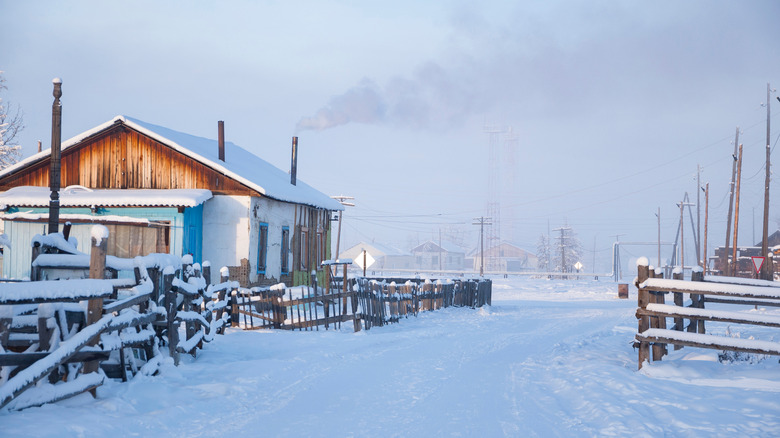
431, 246
240, 164
77, 196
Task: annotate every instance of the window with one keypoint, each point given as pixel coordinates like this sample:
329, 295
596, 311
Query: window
262, 248
303, 247
285, 250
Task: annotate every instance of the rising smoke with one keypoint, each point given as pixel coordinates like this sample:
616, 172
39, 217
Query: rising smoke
429, 98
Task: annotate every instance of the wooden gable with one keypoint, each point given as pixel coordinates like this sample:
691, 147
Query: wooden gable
120, 157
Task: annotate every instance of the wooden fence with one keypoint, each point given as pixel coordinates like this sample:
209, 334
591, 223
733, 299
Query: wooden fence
653, 313
365, 302
45, 332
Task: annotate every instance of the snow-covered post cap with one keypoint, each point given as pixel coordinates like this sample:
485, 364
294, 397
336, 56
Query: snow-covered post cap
642, 261
56, 81
99, 232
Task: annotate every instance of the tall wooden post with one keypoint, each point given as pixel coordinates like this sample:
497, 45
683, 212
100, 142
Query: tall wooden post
724, 261
643, 299
706, 221
765, 238
698, 215
97, 269
735, 269
54, 168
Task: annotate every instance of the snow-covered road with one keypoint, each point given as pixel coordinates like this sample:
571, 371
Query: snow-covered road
550, 358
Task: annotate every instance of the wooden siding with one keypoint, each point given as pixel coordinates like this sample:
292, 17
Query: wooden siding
122, 158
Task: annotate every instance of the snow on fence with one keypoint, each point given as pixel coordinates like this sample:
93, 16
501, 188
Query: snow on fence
78, 332
366, 302
652, 312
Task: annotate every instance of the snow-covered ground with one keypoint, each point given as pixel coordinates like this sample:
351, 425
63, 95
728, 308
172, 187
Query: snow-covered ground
549, 358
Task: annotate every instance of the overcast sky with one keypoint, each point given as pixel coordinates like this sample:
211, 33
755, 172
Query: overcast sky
611, 104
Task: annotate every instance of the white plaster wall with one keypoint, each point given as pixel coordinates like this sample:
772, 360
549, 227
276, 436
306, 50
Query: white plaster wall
226, 231
277, 215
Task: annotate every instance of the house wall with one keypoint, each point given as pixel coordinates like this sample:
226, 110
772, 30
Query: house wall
226, 230
121, 158
17, 258
277, 215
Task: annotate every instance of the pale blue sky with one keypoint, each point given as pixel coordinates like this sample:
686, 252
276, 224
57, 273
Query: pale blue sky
613, 103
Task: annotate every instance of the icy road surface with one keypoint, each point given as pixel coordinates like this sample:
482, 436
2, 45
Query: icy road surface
550, 358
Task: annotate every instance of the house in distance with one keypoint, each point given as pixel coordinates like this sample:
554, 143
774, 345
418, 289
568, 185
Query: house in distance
161, 190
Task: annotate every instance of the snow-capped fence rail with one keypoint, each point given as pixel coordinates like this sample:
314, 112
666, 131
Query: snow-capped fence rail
366, 302
66, 329
652, 312
300, 307
384, 301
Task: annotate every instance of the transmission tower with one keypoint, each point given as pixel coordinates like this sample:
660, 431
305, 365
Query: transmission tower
493, 235
511, 142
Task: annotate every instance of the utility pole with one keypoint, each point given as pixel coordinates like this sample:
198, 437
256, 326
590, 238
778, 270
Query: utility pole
563, 246
682, 206
616, 258
658, 215
735, 266
706, 218
698, 214
482, 221
440, 250
724, 257
343, 201
765, 239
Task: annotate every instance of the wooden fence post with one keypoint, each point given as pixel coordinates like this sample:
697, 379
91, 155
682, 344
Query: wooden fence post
697, 301
97, 270
643, 298
170, 315
234, 306
659, 350
678, 301
223, 278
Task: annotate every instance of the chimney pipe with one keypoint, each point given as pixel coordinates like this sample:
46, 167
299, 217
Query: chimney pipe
294, 164
39, 146
221, 139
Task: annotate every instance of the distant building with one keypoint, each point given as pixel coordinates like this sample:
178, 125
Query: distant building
378, 256
432, 256
745, 266
504, 257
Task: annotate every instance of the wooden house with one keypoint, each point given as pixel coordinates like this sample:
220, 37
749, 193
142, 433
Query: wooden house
504, 257
378, 257
439, 256
168, 191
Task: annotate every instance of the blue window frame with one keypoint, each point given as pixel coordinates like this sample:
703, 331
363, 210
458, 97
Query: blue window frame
262, 248
285, 250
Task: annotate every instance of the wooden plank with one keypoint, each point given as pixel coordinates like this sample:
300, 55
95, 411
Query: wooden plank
714, 343
742, 302
318, 322
714, 317
27, 359
29, 377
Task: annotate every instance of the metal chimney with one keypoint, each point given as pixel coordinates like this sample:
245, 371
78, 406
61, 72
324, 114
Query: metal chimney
221, 139
294, 163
